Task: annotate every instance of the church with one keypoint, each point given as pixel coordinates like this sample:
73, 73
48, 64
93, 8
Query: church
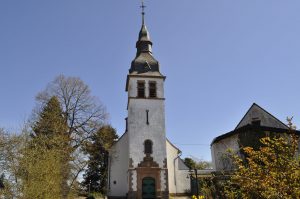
143, 163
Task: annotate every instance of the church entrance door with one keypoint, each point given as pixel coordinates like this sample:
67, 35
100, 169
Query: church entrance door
148, 188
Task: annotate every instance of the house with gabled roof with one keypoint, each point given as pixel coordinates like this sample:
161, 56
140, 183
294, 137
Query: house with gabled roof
256, 123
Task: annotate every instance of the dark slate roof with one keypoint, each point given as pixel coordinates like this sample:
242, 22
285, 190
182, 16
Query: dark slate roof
250, 127
144, 34
144, 61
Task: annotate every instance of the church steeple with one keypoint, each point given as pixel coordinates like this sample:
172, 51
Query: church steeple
144, 60
144, 43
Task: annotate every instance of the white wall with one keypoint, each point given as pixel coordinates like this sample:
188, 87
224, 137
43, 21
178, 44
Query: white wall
219, 150
139, 130
118, 160
132, 86
178, 181
183, 183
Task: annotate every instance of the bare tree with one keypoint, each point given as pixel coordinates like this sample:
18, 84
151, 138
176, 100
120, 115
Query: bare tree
84, 115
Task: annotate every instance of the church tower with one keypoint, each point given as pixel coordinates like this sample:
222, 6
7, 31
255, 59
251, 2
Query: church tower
143, 163
148, 173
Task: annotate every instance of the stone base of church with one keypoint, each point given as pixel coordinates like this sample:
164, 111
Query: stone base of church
179, 194
133, 195
116, 197
165, 195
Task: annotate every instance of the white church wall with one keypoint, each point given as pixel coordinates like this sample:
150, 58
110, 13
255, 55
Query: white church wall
171, 154
219, 150
138, 129
183, 182
132, 86
118, 177
178, 181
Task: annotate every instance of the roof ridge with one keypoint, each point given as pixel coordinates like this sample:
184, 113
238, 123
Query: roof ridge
255, 104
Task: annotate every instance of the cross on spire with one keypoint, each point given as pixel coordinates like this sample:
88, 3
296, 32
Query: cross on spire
143, 7
143, 11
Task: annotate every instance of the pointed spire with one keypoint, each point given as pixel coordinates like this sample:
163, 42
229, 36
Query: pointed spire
144, 43
144, 60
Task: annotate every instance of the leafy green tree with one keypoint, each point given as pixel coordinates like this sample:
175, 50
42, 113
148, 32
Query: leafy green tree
42, 166
50, 121
205, 185
83, 113
189, 162
95, 177
271, 172
193, 164
47, 155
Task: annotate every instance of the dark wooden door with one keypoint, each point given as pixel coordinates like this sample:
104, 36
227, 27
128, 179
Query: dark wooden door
148, 188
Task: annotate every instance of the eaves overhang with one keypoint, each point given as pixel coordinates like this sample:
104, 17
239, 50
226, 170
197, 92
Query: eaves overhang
253, 128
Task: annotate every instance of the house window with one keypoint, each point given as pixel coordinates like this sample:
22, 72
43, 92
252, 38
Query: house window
256, 122
148, 147
141, 89
152, 89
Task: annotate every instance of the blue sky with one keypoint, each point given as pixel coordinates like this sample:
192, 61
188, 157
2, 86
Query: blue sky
219, 57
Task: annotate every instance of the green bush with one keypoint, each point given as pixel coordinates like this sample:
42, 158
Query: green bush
90, 197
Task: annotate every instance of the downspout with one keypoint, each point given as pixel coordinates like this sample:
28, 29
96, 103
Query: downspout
175, 182
108, 172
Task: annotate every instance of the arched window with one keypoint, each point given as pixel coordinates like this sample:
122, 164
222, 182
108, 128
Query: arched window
148, 147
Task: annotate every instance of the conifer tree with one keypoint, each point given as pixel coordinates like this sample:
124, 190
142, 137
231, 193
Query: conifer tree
84, 114
51, 121
42, 169
47, 156
95, 177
